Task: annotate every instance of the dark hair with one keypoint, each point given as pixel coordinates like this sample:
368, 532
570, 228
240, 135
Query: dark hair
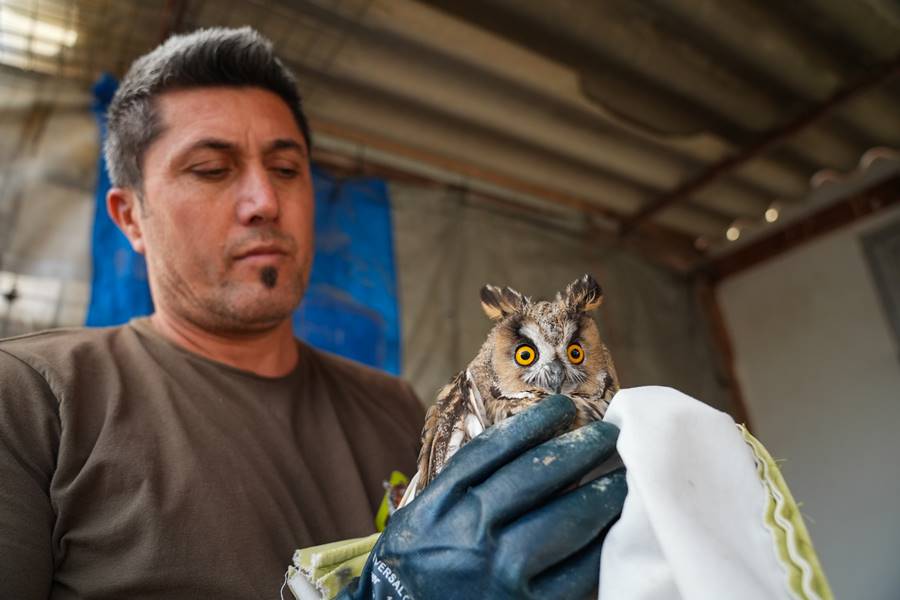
203, 58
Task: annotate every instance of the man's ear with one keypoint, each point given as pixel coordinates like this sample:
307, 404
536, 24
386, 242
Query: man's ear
123, 206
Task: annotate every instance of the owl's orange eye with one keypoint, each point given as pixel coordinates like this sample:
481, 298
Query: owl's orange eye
575, 353
525, 355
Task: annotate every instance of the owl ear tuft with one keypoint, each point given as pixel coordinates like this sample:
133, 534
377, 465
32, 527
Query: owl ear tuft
583, 294
498, 303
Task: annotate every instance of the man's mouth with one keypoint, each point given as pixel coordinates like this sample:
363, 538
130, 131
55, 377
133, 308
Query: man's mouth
261, 252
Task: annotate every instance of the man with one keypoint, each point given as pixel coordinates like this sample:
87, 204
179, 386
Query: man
187, 454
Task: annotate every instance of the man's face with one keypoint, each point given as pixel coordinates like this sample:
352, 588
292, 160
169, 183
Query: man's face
227, 213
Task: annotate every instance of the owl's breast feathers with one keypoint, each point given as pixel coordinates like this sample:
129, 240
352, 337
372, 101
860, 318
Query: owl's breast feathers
461, 412
588, 408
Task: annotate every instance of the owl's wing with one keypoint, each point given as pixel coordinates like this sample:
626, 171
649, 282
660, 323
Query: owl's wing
612, 382
455, 418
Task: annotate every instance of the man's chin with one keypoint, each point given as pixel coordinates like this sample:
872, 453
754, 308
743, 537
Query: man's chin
268, 318
248, 322
259, 312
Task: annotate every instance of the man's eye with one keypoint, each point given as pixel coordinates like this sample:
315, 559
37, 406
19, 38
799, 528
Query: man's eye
286, 172
211, 174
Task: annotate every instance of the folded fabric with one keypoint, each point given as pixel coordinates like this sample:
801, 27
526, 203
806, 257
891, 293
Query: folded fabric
323, 571
708, 515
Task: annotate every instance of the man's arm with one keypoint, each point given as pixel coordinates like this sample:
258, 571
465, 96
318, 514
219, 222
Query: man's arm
29, 441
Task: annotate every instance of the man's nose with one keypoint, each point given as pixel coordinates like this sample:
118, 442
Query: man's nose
257, 197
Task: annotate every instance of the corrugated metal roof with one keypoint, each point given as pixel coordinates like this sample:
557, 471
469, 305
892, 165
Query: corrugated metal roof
602, 107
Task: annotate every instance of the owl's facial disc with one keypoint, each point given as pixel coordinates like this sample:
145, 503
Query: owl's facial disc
542, 364
550, 348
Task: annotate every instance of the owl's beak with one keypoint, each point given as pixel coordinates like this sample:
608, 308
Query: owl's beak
556, 375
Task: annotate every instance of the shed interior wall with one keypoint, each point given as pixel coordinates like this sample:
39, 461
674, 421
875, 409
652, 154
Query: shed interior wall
818, 367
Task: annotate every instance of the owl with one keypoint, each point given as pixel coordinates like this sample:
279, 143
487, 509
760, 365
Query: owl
535, 349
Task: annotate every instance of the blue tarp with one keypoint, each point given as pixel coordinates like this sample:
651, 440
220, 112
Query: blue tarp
350, 306
119, 288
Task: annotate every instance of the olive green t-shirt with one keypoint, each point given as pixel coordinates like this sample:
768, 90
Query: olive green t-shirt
131, 468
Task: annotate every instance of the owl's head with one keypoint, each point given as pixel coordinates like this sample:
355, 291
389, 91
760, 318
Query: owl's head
553, 346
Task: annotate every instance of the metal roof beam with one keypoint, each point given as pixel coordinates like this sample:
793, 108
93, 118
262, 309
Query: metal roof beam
840, 214
774, 137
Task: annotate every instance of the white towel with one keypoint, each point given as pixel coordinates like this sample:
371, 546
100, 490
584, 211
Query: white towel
701, 517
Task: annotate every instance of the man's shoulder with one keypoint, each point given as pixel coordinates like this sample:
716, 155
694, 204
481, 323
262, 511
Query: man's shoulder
45, 349
62, 339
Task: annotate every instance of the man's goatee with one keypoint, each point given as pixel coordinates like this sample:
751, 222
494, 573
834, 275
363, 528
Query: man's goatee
269, 277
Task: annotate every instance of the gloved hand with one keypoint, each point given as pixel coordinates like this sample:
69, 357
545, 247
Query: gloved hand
497, 523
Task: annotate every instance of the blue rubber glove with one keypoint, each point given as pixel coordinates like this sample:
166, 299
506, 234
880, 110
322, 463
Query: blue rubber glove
501, 520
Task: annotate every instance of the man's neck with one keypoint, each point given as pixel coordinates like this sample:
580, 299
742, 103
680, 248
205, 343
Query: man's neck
272, 353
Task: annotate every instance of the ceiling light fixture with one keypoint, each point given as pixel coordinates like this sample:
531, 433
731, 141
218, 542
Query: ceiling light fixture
733, 233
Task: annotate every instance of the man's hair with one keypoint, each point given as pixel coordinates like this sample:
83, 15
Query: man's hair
205, 58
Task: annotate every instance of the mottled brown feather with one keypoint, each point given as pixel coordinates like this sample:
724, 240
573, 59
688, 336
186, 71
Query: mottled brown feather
440, 421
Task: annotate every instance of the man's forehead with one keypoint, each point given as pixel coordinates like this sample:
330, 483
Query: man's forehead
235, 115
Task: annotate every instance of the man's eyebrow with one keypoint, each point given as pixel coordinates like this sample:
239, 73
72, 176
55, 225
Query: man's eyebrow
285, 144
226, 146
212, 144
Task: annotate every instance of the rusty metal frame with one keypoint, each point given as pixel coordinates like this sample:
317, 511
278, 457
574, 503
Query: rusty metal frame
813, 115
835, 216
